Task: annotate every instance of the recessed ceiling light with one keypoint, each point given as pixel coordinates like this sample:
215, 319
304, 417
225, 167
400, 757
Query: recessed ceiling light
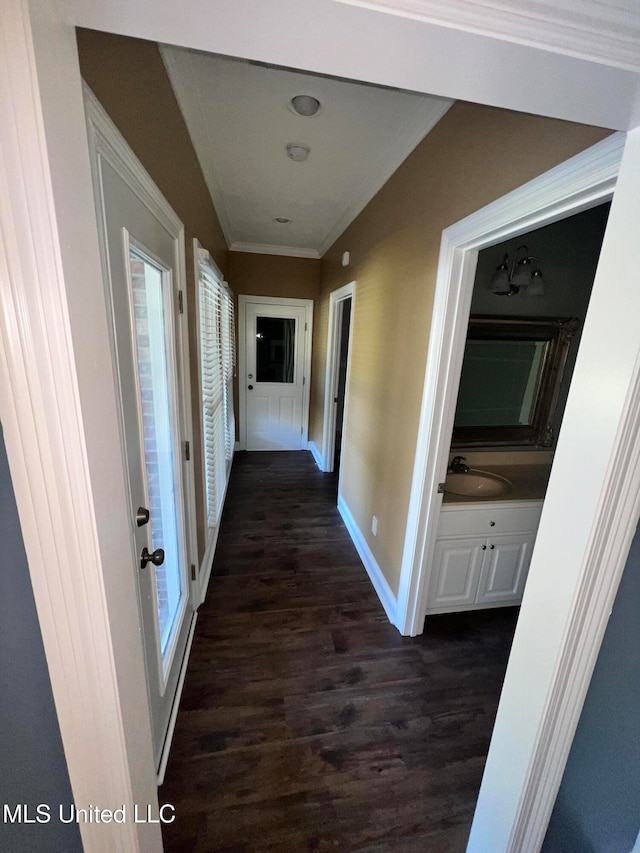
305, 105
282, 220
298, 151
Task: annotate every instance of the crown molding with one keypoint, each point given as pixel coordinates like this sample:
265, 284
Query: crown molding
267, 249
607, 33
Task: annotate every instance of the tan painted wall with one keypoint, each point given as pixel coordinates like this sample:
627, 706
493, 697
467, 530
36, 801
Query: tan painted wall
129, 79
473, 156
272, 275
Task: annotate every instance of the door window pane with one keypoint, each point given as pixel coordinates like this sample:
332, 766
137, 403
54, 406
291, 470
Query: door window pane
151, 330
275, 347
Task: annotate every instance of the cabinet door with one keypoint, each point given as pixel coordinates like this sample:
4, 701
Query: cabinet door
456, 569
505, 568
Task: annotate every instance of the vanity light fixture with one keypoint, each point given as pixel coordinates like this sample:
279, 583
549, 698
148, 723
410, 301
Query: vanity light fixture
523, 275
298, 152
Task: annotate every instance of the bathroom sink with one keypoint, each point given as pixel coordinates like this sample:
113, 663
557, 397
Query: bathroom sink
476, 483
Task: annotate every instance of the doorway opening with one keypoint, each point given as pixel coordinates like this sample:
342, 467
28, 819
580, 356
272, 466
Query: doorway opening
343, 355
341, 313
517, 368
274, 336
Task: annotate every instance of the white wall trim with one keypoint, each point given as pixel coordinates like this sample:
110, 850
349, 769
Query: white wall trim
118, 153
586, 29
523, 775
307, 304
316, 455
336, 298
51, 315
166, 747
206, 565
269, 249
377, 578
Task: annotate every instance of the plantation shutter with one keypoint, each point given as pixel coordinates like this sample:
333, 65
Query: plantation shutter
217, 359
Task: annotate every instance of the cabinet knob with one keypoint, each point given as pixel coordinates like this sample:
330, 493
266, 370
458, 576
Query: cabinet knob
484, 547
491, 547
492, 524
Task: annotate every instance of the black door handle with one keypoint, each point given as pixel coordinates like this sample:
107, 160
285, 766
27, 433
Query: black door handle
157, 558
142, 516
250, 387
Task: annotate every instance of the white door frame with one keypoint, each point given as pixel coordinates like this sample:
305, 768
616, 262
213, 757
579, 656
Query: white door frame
589, 518
336, 305
106, 144
60, 419
307, 304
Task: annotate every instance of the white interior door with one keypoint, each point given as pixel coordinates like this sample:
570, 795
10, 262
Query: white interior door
275, 389
143, 278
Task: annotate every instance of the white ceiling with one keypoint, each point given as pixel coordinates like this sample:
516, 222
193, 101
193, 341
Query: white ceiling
240, 122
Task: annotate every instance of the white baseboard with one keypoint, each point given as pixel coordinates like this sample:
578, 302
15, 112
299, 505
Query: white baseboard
207, 561
316, 455
207, 564
176, 703
382, 588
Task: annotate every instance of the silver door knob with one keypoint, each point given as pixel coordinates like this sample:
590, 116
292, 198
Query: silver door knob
157, 558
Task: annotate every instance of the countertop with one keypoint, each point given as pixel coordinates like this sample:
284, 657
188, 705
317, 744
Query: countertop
529, 484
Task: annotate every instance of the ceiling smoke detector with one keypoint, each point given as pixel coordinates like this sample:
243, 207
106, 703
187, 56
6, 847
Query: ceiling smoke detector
305, 105
298, 151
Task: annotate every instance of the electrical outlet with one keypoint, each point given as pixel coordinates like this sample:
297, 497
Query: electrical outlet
374, 525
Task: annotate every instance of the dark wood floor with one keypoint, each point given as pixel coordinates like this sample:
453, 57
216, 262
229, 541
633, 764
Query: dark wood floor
307, 722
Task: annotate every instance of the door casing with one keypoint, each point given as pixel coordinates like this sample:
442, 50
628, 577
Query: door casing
307, 304
336, 303
107, 145
596, 550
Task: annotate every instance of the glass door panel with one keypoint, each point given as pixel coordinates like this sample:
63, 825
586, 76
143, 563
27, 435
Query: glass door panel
159, 438
275, 349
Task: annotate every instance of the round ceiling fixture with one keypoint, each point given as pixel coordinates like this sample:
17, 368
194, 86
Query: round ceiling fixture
305, 105
282, 220
298, 151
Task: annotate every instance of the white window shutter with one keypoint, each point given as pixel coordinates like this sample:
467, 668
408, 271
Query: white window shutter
217, 358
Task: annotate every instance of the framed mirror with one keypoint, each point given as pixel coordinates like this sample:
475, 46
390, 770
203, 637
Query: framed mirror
511, 376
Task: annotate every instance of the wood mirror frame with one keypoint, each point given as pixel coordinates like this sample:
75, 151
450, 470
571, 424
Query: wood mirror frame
557, 332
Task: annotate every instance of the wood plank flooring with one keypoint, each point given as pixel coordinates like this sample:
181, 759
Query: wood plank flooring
307, 723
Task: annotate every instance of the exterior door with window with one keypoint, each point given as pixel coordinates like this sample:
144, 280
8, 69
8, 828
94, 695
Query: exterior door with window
276, 349
143, 263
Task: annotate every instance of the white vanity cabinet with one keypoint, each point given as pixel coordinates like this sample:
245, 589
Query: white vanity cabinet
482, 555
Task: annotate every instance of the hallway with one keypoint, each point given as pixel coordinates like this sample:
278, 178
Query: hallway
307, 722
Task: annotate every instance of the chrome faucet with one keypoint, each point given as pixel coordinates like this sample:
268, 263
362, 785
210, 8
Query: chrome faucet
457, 466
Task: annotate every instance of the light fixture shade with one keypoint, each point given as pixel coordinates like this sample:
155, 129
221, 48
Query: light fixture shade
499, 282
536, 285
522, 273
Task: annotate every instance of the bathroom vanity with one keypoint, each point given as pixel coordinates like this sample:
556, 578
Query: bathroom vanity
483, 546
